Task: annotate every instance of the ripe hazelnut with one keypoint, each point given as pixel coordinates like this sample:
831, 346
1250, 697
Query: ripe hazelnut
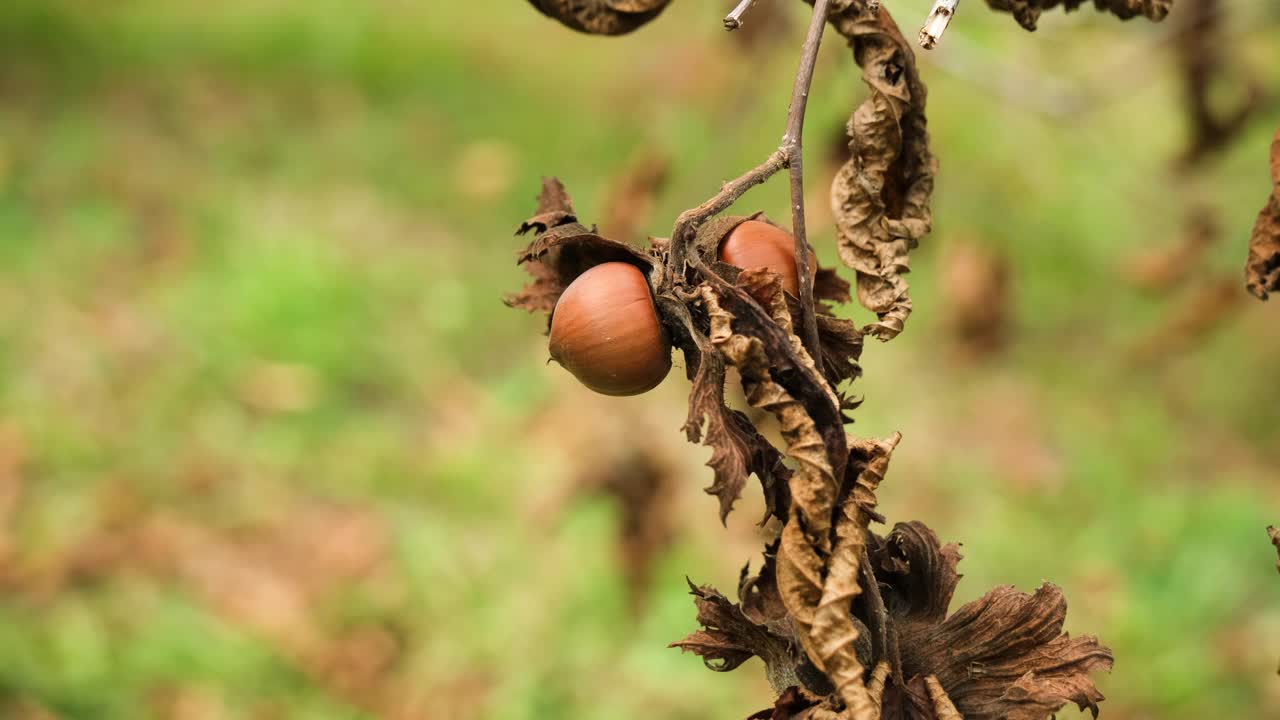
755, 243
605, 330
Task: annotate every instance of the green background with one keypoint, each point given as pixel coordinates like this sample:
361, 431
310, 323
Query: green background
271, 447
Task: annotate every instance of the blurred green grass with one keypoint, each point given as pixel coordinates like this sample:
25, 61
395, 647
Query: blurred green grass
252, 254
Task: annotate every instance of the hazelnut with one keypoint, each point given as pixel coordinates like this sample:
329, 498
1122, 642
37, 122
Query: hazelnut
605, 330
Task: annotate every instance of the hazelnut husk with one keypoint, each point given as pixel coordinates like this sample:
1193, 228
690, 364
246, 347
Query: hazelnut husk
755, 243
606, 331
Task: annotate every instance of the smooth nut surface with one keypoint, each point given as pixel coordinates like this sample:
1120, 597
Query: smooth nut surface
755, 244
605, 330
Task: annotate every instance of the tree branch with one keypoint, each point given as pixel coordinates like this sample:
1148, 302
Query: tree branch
733, 20
793, 145
689, 220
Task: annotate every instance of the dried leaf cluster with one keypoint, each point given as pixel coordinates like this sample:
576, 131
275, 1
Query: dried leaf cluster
1027, 12
849, 623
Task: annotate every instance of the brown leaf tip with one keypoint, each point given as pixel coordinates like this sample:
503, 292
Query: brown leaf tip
1274, 533
555, 208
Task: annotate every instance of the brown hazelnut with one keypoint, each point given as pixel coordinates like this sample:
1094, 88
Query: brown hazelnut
755, 243
605, 330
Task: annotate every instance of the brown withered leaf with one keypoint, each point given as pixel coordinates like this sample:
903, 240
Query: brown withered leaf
817, 561
880, 197
602, 17
788, 705
737, 448
1274, 534
1001, 656
1027, 12
1262, 270
729, 638
562, 249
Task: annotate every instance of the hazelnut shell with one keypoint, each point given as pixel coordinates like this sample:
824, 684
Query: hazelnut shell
756, 243
606, 332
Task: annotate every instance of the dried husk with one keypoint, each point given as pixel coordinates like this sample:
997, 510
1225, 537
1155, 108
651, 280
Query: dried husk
562, 249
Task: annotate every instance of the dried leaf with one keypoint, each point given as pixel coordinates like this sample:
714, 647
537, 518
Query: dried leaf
738, 449
1274, 534
562, 249
788, 705
602, 17
880, 197
730, 638
817, 573
1262, 271
1027, 12
1002, 656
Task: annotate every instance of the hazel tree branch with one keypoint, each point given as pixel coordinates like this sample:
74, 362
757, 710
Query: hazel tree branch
790, 155
793, 145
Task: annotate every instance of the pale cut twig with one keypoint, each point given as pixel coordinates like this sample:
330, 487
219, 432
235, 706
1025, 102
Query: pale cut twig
733, 20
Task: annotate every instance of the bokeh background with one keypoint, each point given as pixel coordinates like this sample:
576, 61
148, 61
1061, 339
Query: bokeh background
272, 447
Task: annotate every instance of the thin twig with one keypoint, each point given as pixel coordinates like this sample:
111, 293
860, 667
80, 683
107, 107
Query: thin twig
733, 20
689, 220
792, 144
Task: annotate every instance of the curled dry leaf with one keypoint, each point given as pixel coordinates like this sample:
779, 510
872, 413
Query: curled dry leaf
1262, 271
562, 249
1027, 12
880, 197
732, 634
1028, 667
602, 17
1274, 534
821, 542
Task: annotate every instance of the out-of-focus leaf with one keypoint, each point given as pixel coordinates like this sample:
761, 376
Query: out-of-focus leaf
631, 194
1274, 533
1262, 271
880, 197
1027, 12
1198, 315
1202, 50
1162, 269
602, 17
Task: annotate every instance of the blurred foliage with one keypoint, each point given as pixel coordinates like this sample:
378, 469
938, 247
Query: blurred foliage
271, 447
